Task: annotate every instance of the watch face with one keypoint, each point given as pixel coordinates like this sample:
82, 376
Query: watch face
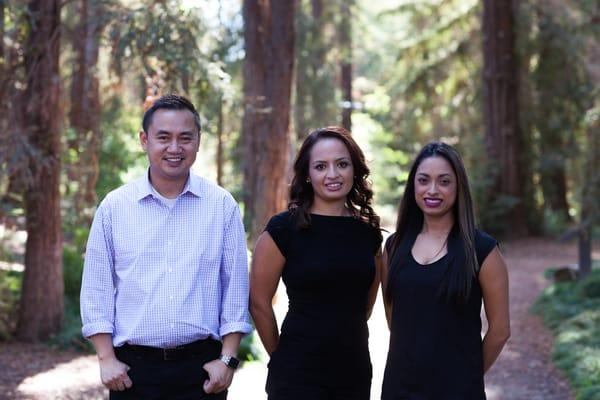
233, 362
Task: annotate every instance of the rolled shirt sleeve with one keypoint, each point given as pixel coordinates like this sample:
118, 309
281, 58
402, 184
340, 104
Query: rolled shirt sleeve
97, 298
234, 277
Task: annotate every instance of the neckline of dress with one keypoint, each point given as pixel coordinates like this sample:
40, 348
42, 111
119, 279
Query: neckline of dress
427, 265
331, 216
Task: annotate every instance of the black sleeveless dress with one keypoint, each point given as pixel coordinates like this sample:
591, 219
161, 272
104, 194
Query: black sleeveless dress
323, 346
435, 348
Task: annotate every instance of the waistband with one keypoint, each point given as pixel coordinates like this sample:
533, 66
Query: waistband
197, 349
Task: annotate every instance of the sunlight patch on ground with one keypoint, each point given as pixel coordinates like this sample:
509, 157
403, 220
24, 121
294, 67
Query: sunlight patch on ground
81, 372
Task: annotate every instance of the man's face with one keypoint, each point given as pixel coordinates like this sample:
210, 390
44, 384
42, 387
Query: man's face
171, 143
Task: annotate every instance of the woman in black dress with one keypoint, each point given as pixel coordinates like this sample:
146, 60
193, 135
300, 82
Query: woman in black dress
326, 248
436, 270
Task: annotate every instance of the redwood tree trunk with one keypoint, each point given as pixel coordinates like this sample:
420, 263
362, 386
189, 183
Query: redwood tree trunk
346, 63
85, 106
268, 68
41, 310
220, 134
501, 91
589, 201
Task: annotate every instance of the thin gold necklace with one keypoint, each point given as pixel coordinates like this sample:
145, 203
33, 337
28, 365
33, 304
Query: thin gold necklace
429, 260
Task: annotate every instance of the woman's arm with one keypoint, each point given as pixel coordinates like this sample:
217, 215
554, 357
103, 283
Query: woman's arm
267, 266
375, 285
493, 278
384, 281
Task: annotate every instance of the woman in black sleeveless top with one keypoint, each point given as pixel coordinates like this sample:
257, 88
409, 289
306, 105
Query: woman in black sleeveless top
437, 268
326, 248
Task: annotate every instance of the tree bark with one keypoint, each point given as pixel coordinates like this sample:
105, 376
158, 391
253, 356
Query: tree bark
41, 310
85, 107
303, 77
589, 199
220, 135
346, 63
555, 119
268, 69
501, 93
2, 57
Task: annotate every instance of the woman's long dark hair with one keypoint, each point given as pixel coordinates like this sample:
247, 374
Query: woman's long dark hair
461, 240
359, 198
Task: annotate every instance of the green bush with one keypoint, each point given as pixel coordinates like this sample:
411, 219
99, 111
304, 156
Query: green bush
72, 269
572, 311
590, 288
10, 293
70, 333
248, 350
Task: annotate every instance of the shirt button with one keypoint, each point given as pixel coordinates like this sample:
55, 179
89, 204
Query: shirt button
171, 297
172, 325
170, 243
170, 269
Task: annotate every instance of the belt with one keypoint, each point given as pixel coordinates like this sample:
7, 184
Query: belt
197, 349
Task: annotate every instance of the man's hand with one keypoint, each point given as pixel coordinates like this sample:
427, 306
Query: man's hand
113, 374
219, 376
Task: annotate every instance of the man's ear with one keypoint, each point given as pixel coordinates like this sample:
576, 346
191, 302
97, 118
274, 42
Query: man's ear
143, 139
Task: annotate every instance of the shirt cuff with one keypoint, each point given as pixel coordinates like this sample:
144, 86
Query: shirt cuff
96, 327
237, 327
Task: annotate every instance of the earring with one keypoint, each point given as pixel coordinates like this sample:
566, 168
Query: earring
307, 180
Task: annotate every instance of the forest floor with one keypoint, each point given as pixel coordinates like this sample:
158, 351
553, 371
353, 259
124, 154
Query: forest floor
523, 371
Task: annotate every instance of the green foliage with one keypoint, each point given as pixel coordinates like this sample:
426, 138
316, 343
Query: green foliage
572, 311
72, 270
70, 333
10, 293
120, 147
248, 350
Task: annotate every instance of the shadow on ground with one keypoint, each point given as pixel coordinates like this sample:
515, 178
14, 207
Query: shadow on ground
33, 371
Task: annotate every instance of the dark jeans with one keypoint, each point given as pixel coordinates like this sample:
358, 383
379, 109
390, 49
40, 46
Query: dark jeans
174, 375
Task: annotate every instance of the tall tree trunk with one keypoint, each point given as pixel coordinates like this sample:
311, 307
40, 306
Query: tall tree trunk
590, 192
85, 106
302, 76
268, 68
501, 91
220, 142
554, 113
41, 310
322, 93
346, 63
2, 56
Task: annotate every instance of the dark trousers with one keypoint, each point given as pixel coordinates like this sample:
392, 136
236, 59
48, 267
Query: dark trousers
173, 374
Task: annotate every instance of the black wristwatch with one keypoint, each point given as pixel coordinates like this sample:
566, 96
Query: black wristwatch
230, 361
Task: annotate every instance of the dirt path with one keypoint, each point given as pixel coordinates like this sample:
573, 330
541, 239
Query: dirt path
523, 371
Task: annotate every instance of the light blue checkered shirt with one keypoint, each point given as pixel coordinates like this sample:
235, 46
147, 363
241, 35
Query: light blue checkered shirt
164, 277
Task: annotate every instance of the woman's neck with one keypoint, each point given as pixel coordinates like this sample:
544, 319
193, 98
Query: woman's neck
438, 226
337, 209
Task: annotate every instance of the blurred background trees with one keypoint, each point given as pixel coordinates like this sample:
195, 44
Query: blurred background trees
514, 85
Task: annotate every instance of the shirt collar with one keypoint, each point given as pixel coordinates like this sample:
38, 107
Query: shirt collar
144, 187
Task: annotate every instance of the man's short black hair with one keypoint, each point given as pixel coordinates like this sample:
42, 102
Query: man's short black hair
170, 102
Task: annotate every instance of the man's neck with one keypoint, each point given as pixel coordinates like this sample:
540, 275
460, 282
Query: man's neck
167, 187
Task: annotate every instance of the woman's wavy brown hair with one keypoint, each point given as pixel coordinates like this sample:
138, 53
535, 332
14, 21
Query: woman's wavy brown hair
360, 197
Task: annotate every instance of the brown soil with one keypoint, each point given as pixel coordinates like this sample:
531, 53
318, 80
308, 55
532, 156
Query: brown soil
524, 370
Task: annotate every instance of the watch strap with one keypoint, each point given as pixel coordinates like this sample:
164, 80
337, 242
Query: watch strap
230, 361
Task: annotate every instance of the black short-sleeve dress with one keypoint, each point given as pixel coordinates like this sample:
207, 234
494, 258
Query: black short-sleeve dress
328, 272
435, 348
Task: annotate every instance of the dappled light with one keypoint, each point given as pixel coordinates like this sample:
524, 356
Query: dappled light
512, 86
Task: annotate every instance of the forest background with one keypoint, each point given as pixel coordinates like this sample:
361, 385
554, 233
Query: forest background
512, 84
